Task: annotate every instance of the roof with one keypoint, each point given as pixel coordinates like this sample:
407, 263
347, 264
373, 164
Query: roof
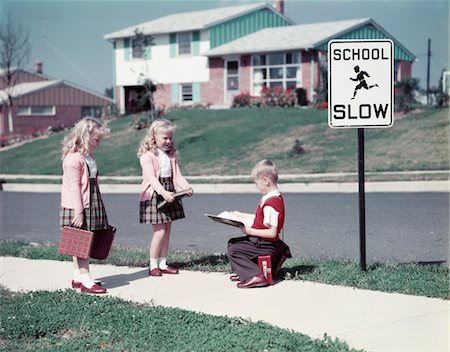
288, 38
189, 21
22, 89
27, 88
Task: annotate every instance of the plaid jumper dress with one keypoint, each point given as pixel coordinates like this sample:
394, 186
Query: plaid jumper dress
94, 217
148, 212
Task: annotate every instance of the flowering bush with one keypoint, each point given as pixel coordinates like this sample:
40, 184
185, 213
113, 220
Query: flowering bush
241, 100
270, 96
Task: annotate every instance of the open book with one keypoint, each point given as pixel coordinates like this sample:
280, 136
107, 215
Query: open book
228, 218
176, 195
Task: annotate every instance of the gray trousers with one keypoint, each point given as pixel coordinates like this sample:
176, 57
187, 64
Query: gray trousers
243, 253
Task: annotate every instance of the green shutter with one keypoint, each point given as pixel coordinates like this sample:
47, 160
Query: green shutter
148, 52
173, 44
196, 92
126, 49
196, 43
175, 94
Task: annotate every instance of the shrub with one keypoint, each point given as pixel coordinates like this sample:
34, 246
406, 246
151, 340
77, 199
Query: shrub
270, 96
242, 100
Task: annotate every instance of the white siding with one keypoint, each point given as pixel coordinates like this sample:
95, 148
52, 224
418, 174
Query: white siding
161, 67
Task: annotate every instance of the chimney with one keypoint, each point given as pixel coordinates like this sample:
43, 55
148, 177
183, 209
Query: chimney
38, 66
278, 5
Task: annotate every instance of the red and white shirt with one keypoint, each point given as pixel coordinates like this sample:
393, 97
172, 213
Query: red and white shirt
270, 212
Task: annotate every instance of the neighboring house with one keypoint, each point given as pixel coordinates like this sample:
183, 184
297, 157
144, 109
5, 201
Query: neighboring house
209, 56
40, 102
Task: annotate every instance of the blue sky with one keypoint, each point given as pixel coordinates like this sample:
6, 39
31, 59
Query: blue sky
67, 36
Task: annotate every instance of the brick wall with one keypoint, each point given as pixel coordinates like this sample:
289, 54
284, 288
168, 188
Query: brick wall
212, 91
405, 69
244, 74
65, 115
163, 96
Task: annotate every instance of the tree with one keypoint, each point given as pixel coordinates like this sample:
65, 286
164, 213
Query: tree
109, 92
140, 45
406, 100
14, 55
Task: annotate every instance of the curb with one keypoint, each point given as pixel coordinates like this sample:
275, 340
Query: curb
218, 188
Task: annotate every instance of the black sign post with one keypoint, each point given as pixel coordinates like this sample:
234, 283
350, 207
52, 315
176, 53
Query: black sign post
361, 95
362, 201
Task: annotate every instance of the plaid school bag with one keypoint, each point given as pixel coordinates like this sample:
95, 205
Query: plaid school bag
85, 244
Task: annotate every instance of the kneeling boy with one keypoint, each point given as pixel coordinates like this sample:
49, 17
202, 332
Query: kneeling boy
263, 236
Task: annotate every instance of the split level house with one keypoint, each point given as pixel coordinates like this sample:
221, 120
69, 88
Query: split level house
207, 57
41, 102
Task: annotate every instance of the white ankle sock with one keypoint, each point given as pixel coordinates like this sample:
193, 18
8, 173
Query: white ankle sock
162, 263
87, 281
76, 275
153, 264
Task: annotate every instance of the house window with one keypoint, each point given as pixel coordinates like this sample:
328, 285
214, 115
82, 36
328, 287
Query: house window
276, 70
141, 46
184, 43
232, 75
36, 111
92, 111
186, 93
138, 49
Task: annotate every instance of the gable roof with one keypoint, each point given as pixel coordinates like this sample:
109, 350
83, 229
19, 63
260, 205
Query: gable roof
26, 88
22, 89
189, 21
287, 38
306, 36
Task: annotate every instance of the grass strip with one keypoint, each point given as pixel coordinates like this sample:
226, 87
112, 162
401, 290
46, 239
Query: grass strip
33, 322
429, 280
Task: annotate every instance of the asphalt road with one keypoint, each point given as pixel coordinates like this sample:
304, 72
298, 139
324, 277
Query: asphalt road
400, 227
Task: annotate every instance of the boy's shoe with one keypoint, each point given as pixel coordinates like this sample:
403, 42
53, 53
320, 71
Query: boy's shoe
254, 281
234, 277
169, 270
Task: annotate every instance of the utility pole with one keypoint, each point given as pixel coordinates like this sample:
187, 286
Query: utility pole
428, 71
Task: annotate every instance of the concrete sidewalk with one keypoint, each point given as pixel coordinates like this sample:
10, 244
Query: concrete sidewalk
373, 321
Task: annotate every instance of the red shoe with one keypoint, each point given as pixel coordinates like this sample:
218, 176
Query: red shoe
96, 289
234, 277
77, 284
154, 272
169, 270
255, 281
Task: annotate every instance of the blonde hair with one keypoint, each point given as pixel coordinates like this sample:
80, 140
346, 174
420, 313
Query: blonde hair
79, 137
148, 143
265, 168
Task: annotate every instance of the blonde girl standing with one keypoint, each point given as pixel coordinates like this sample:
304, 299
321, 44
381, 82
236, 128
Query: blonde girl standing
161, 177
81, 202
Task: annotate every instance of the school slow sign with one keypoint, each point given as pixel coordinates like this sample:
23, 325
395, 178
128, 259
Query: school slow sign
360, 95
360, 84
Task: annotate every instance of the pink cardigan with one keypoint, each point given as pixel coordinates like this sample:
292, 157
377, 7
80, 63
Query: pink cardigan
75, 183
151, 172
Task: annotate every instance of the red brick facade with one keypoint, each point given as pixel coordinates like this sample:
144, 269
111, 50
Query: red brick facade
67, 101
212, 92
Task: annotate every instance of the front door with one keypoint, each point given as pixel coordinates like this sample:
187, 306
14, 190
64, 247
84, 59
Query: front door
231, 80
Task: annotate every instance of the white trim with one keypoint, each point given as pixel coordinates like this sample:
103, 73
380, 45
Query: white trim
312, 93
225, 78
29, 111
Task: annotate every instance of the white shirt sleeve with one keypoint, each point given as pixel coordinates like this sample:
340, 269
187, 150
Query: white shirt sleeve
270, 216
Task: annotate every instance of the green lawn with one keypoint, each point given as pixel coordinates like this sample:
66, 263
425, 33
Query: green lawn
32, 322
228, 142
